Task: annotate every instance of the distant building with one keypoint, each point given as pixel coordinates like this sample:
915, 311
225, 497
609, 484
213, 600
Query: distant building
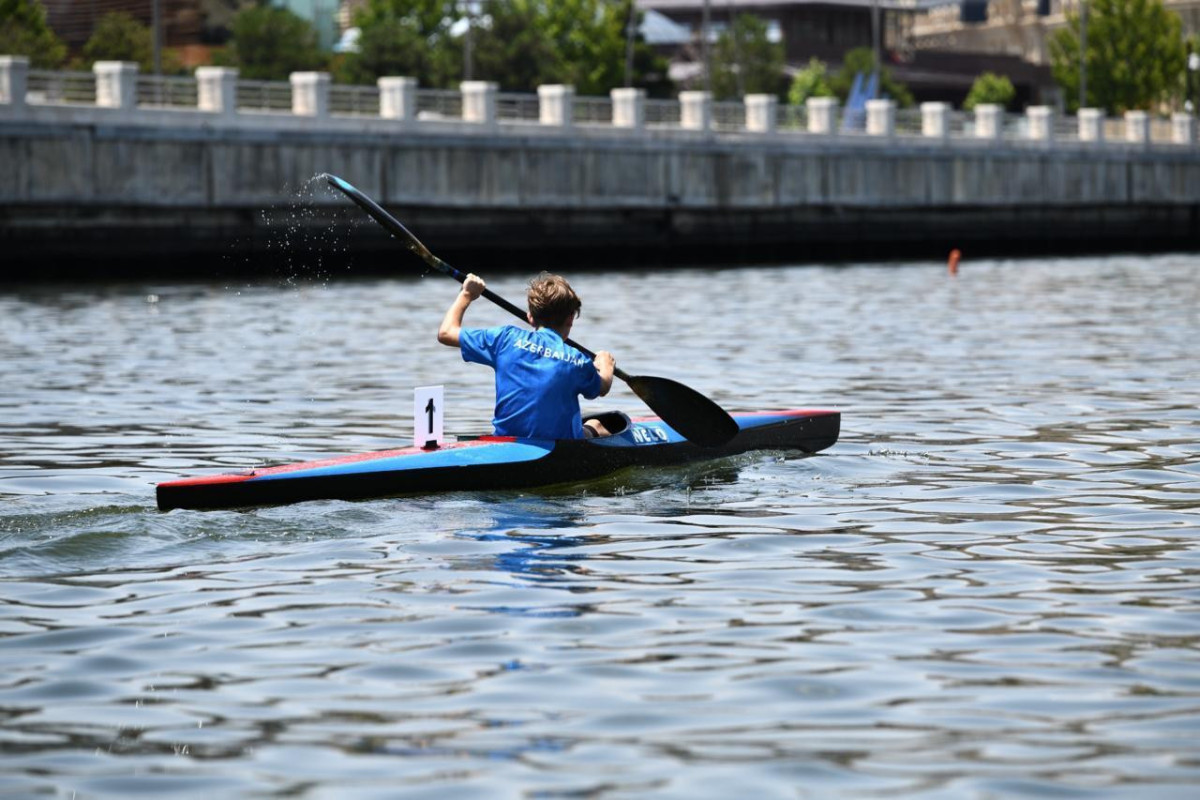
1014, 27
826, 29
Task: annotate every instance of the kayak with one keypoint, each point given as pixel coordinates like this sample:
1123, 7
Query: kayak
496, 462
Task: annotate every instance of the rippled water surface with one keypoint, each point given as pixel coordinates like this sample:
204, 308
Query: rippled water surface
989, 587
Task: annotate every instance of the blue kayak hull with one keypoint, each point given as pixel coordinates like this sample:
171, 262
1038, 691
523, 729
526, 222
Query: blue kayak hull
490, 462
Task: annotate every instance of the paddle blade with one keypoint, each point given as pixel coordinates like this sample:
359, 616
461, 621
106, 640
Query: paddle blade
391, 224
693, 415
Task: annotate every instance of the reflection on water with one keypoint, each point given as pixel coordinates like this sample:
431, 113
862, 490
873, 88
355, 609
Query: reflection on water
987, 588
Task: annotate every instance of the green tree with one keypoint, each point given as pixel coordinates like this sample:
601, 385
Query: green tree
812, 81
589, 39
746, 61
583, 43
271, 43
508, 47
862, 60
1135, 56
120, 37
990, 88
24, 32
410, 38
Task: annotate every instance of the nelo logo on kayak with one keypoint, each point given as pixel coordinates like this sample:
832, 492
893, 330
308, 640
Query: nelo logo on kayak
650, 435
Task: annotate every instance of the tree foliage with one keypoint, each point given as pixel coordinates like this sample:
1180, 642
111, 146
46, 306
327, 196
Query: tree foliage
518, 44
120, 37
862, 60
592, 37
507, 47
812, 81
990, 88
410, 38
588, 37
24, 32
269, 44
746, 61
1135, 56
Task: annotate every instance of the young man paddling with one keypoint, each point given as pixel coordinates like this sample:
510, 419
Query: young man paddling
539, 377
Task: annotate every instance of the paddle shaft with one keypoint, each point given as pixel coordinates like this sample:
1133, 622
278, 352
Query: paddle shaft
416, 246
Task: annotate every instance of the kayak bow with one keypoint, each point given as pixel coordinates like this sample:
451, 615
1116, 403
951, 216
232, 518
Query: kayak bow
495, 462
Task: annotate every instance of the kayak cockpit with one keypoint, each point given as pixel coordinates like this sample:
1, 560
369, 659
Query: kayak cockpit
615, 422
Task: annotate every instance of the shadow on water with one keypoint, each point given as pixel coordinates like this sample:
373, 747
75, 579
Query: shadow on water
541, 534
548, 529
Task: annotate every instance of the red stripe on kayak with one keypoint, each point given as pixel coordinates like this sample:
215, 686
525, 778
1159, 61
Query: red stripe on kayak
232, 478
407, 451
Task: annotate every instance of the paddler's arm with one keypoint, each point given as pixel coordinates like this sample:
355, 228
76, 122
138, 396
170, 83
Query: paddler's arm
472, 287
605, 366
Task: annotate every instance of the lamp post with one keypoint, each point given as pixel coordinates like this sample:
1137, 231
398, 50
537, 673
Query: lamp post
876, 45
1193, 78
630, 34
1083, 53
469, 45
156, 23
704, 46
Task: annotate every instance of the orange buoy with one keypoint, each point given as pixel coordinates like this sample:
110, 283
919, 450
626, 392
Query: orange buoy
952, 264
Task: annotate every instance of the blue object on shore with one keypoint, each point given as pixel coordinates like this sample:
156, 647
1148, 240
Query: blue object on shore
866, 87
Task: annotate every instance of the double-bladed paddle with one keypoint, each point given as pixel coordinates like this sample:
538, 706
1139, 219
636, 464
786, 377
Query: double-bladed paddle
696, 418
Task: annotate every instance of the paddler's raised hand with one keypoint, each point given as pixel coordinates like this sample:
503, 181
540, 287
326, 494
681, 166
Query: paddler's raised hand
473, 286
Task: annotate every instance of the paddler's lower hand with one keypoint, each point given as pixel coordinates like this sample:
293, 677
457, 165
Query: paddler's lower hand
605, 365
473, 286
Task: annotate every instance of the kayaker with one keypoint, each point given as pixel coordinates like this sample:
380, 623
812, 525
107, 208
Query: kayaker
539, 377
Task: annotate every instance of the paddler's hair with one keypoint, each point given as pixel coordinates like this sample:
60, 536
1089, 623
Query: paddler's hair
552, 301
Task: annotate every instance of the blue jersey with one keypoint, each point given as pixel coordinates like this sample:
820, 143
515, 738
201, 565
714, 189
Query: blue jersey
539, 379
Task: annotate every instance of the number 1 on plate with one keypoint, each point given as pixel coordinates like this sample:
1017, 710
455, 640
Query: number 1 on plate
427, 417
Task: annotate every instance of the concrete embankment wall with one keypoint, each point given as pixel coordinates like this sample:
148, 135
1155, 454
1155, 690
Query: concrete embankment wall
162, 196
